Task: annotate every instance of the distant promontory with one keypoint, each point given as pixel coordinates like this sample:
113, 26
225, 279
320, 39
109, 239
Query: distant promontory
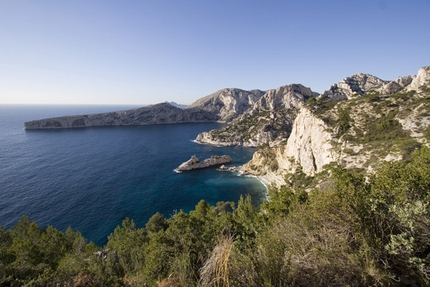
163, 113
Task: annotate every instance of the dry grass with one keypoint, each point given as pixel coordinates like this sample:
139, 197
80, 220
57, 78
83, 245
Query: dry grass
215, 271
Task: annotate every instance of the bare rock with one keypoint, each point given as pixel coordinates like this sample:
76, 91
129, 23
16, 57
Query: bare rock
227, 104
357, 84
195, 163
396, 85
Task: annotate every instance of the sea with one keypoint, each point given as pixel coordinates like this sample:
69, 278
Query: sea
93, 178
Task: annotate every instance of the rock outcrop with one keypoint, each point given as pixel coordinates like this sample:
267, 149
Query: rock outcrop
396, 85
195, 163
422, 79
163, 113
357, 84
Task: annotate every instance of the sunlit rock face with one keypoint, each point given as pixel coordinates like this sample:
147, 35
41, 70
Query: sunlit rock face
227, 104
355, 85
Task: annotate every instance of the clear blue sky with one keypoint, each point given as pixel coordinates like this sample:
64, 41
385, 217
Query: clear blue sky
144, 52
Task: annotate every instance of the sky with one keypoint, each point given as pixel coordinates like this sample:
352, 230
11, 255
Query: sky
143, 52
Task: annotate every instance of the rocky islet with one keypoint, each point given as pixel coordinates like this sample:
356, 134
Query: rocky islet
195, 163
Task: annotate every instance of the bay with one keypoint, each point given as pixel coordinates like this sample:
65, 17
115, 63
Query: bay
91, 179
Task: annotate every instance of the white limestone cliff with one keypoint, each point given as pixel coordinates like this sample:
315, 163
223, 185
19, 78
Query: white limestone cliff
309, 147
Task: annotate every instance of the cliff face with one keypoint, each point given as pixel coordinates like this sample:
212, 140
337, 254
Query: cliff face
309, 147
163, 113
268, 120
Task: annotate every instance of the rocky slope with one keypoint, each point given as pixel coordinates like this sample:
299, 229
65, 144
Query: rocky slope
388, 121
163, 113
227, 104
357, 84
269, 120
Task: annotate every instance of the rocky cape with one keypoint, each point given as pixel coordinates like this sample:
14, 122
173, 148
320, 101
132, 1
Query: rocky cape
195, 163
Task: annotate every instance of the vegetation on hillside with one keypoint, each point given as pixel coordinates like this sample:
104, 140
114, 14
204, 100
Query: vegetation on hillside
271, 125
355, 230
377, 124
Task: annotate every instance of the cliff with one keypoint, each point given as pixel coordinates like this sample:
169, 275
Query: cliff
309, 147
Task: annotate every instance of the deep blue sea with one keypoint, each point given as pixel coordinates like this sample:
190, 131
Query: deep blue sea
91, 179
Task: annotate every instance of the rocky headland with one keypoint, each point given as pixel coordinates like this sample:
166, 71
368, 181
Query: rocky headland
195, 163
222, 106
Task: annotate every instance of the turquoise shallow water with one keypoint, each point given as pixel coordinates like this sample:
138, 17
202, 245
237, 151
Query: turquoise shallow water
91, 179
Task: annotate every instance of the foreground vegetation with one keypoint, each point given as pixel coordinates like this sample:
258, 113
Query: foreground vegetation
351, 230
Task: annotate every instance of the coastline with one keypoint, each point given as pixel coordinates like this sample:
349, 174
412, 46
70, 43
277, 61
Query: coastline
264, 181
